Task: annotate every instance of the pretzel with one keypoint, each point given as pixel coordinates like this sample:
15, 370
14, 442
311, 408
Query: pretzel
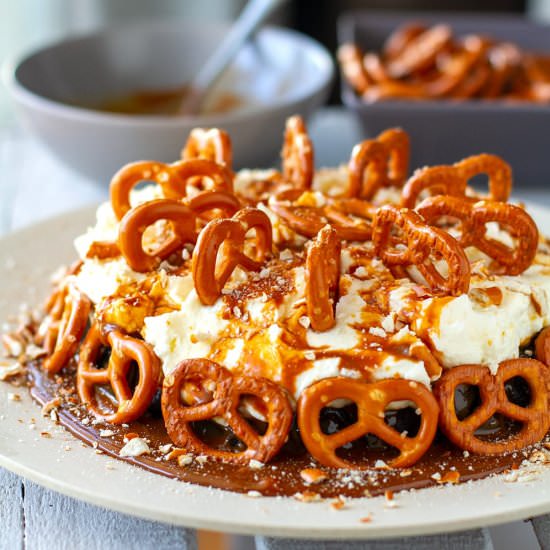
67, 316
435, 180
371, 399
322, 277
137, 220
427, 63
535, 417
542, 346
421, 51
224, 403
473, 218
350, 58
505, 59
453, 180
228, 235
419, 242
172, 178
197, 170
463, 71
382, 162
131, 403
374, 68
497, 170
297, 154
206, 201
209, 143
393, 89
400, 39
344, 215
129, 176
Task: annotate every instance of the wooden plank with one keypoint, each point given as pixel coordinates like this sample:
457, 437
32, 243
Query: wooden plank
476, 539
541, 525
11, 511
53, 521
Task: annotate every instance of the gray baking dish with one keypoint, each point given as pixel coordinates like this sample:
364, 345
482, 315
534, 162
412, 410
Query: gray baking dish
445, 131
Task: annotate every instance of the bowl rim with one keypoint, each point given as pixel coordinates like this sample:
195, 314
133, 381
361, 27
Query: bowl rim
349, 20
21, 94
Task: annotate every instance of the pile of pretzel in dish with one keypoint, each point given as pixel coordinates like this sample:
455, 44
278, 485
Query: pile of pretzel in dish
419, 62
422, 237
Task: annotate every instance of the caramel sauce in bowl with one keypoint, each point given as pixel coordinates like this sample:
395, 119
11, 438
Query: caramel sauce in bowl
107, 72
162, 102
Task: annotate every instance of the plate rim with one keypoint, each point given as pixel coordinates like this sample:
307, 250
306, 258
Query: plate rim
330, 524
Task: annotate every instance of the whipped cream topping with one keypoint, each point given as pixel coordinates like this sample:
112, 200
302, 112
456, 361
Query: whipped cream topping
384, 327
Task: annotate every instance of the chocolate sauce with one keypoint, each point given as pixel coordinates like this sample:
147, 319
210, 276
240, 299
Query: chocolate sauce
282, 475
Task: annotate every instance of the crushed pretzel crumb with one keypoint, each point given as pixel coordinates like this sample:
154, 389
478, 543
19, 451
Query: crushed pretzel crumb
313, 475
337, 503
50, 406
135, 447
449, 477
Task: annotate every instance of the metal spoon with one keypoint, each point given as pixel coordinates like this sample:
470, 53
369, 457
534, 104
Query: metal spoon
252, 16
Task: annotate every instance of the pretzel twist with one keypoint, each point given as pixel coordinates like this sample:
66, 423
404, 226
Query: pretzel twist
199, 171
351, 218
535, 418
67, 316
473, 218
297, 154
173, 178
416, 246
382, 162
227, 237
351, 62
371, 400
322, 278
400, 39
207, 201
453, 180
209, 143
130, 403
137, 220
421, 51
131, 175
498, 171
224, 403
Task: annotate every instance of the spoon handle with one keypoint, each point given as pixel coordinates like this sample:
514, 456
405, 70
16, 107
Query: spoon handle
252, 16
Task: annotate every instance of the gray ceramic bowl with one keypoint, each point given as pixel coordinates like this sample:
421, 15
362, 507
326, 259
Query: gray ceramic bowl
280, 73
445, 131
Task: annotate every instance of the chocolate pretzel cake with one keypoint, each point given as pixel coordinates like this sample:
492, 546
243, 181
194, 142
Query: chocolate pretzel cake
312, 332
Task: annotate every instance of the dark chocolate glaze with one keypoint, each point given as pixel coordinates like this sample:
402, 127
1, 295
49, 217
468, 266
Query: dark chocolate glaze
282, 475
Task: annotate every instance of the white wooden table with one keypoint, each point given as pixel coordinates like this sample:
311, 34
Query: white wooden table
34, 186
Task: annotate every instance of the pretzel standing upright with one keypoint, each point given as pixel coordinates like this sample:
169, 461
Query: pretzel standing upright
131, 403
226, 392
382, 162
137, 220
372, 401
322, 277
209, 143
453, 179
297, 154
67, 316
173, 179
220, 249
535, 417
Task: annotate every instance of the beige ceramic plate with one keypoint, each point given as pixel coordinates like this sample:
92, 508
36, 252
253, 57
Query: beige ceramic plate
62, 463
